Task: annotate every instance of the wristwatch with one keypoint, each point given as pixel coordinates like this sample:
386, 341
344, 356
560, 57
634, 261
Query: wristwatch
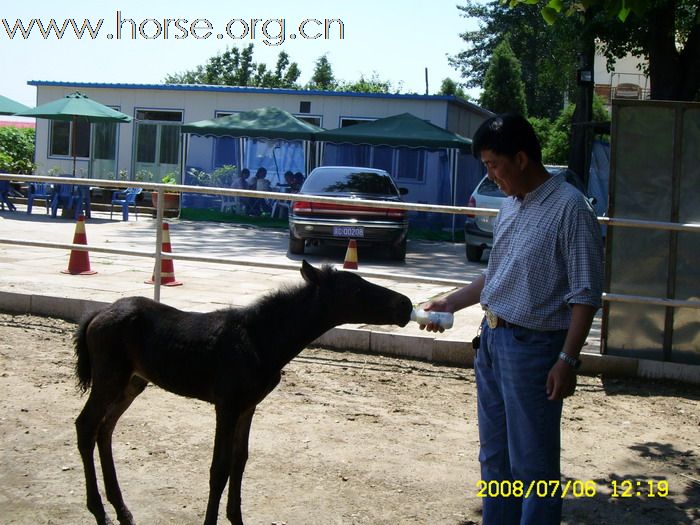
571, 361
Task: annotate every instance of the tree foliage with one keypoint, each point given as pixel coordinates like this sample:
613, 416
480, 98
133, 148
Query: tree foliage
554, 134
323, 77
373, 84
16, 150
504, 90
451, 88
545, 52
236, 67
666, 32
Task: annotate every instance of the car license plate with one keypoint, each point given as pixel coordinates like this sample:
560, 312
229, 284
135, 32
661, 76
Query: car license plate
348, 231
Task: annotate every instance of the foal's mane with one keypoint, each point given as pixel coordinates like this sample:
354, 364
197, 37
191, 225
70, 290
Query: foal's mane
277, 298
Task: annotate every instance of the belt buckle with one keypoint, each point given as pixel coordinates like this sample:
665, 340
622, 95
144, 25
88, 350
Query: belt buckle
491, 319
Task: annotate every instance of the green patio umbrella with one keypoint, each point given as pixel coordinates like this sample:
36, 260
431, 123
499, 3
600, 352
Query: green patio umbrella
10, 107
269, 122
398, 130
76, 107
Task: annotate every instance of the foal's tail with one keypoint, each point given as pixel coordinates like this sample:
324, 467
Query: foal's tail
83, 370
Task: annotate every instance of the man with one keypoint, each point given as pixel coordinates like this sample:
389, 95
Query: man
540, 292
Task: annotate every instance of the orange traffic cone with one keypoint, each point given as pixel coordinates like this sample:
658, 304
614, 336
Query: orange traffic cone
167, 270
79, 262
350, 262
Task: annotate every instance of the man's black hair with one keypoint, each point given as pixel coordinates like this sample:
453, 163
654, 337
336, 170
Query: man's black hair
507, 134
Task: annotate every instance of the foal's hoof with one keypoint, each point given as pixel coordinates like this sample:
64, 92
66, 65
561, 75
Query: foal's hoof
126, 518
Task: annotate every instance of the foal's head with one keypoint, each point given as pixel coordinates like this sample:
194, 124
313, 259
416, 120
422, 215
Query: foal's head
352, 299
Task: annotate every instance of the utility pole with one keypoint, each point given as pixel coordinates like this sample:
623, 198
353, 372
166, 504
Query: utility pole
582, 122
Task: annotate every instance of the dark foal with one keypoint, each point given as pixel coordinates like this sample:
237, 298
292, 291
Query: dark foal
232, 358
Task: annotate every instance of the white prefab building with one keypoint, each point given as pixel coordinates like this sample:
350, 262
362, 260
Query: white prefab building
152, 146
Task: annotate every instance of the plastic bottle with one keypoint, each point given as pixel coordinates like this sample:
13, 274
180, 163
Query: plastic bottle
443, 319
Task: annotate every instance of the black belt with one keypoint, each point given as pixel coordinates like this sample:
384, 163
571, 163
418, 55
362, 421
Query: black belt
502, 323
493, 321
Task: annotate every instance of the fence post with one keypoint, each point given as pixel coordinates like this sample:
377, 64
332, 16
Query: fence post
159, 244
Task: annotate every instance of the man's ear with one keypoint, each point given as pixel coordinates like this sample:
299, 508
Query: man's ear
522, 160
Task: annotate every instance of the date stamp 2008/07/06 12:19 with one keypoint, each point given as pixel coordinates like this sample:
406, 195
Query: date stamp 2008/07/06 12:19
624, 488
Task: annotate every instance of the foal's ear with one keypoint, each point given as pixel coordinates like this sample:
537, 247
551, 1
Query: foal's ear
309, 273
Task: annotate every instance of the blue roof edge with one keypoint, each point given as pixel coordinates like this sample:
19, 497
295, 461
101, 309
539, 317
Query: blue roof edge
246, 89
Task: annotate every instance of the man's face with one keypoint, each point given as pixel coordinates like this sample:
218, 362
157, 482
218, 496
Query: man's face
504, 171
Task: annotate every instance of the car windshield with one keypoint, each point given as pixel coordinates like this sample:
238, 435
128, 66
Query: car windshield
339, 181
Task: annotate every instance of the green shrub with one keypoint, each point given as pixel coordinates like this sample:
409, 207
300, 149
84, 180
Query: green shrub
555, 134
16, 150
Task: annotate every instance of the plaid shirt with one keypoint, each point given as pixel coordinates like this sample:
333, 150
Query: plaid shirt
547, 255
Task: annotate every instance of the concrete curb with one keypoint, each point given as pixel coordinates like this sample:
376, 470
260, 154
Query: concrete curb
442, 351
451, 352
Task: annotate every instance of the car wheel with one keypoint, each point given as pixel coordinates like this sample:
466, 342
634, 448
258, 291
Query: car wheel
296, 246
474, 253
398, 251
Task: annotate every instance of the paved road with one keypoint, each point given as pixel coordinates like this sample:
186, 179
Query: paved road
438, 260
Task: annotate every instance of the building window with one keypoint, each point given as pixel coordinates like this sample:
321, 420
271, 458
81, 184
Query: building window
304, 107
316, 121
61, 142
345, 122
157, 144
160, 116
104, 151
225, 148
412, 164
383, 158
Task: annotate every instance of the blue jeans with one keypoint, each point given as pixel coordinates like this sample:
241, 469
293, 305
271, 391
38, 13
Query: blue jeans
518, 426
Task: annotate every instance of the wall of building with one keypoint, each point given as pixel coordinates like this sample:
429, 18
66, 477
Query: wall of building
624, 79
199, 104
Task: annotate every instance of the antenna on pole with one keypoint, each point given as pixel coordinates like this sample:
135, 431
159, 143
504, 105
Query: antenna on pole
426, 81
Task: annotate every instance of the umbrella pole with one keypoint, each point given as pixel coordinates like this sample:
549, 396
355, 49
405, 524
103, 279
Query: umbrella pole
454, 165
74, 130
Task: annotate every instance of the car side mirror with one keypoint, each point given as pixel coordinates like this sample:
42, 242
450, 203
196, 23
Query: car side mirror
403, 191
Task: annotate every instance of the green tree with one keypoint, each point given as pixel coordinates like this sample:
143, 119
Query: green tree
504, 90
236, 67
368, 85
666, 32
285, 74
547, 58
323, 77
16, 150
555, 134
452, 88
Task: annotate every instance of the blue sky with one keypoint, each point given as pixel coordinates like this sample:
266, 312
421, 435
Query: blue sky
396, 40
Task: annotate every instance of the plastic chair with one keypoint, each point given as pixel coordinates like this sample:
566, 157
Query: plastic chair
280, 208
81, 200
125, 198
64, 197
4, 196
39, 190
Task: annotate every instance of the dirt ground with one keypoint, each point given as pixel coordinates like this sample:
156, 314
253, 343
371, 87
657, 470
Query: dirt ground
345, 439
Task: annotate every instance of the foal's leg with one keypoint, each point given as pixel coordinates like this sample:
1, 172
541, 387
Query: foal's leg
104, 443
87, 425
240, 456
221, 461
108, 390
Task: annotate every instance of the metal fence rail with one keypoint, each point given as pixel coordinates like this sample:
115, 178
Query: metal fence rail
158, 255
